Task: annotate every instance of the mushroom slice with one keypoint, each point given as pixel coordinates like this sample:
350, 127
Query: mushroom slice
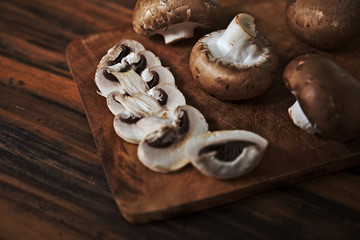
122, 49
157, 75
174, 19
139, 104
139, 116
114, 105
226, 154
131, 82
167, 95
328, 97
133, 129
163, 150
147, 60
104, 80
125, 127
235, 63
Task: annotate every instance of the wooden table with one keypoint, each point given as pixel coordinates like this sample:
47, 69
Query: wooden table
52, 183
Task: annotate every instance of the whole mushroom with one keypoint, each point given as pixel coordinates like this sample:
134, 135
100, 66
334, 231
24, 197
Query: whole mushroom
174, 19
324, 24
328, 97
235, 63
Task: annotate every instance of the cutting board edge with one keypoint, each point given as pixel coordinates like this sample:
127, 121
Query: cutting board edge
144, 217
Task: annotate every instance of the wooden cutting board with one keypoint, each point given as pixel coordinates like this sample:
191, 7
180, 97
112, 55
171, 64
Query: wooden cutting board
293, 155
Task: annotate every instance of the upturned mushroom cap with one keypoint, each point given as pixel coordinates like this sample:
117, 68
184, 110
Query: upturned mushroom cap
174, 19
328, 95
226, 154
163, 149
236, 63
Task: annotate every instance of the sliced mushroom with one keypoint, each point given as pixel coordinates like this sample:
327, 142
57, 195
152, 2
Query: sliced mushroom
116, 54
126, 56
131, 82
113, 104
133, 129
226, 154
235, 63
139, 104
125, 127
328, 97
167, 95
163, 149
157, 75
136, 109
174, 19
105, 81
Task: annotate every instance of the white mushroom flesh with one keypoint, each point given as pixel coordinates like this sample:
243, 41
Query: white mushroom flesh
236, 44
147, 75
131, 58
151, 59
130, 132
114, 105
167, 95
226, 154
140, 104
131, 82
299, 118
170, 157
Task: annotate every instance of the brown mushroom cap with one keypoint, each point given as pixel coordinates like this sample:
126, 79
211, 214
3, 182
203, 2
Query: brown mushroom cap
328, 95
230, 81
151, 15
322, 23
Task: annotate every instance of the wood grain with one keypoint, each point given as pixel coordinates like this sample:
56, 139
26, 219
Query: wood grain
293, 155
52, 182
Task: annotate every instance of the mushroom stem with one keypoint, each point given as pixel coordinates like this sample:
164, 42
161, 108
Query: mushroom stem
178, 31
241, 28
299, 118
131, 82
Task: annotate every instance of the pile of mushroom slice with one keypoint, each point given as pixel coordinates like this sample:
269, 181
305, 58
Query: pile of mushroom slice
150, 111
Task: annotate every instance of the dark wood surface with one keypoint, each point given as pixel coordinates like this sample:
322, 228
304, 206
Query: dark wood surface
52, 182
143, 195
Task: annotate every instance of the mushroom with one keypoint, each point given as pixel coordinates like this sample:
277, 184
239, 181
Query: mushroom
134, 129
135, 108
157, 75
131, 110
127, 55
163, 149
104, 80
167, 95
235, 63
328, 97
324, 24
226, 154
174, 19
113, 104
